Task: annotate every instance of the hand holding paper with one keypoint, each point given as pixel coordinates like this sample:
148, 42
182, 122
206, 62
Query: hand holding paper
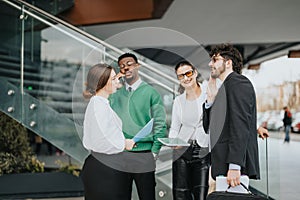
129, 143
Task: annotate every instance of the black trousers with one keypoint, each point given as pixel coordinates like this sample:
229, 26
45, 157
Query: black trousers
111, 176
190, 174
102, 182
141, 170
145, 183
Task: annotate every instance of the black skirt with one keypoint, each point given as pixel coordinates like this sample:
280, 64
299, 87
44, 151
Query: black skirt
101, 181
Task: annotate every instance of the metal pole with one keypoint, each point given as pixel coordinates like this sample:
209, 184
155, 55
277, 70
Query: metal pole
22, 17
267, 167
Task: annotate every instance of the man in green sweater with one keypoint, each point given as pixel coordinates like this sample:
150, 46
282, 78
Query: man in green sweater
136, 103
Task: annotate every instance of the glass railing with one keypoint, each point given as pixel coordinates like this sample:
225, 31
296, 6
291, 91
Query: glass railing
42, 119
51, 67
43, 65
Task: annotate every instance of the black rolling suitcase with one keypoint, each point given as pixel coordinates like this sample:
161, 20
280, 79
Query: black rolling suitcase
234, 196
217, 195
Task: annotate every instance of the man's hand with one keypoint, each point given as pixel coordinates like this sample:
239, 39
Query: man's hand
262, 132
233, 177
119, 78
212, 90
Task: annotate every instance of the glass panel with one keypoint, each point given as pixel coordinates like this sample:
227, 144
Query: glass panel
10, 43
53, 55
58, 54
269, 167
273, 93
56, 60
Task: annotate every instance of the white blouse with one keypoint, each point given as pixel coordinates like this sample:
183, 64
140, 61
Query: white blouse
102, 128
187, 119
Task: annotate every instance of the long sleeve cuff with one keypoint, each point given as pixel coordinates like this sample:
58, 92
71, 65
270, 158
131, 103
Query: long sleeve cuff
234, 166
208, 105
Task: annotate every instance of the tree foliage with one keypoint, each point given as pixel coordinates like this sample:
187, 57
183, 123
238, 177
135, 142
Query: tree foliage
16, 155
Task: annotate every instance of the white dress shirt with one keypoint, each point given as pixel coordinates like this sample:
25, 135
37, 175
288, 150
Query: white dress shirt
102, 128
187, 119
207, 106
133, 86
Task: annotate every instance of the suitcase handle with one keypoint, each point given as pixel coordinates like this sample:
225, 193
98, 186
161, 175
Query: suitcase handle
242, 184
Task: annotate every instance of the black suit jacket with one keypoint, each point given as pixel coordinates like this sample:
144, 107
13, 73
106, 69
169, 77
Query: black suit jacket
232, 125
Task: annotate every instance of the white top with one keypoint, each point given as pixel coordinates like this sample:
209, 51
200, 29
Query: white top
187, 119
102, 128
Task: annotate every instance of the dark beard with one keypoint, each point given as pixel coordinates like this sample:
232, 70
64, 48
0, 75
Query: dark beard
220, 71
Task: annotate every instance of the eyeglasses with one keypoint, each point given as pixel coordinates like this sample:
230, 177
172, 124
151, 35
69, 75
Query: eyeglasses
128, 64
187, 74
215, 59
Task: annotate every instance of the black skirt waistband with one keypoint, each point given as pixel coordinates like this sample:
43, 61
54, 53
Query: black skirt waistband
145, 151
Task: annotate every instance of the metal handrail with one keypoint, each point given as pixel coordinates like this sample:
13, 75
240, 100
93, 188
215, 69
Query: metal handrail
74, 28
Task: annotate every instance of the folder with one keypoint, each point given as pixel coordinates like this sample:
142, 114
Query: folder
221, 184
144, 132
173, 142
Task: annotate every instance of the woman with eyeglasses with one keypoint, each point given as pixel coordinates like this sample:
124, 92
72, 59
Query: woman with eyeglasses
102, 173
190, 168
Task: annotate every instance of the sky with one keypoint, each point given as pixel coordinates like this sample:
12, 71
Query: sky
275, 72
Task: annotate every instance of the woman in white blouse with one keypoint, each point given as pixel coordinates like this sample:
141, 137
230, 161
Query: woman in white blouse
102, 136
190, 168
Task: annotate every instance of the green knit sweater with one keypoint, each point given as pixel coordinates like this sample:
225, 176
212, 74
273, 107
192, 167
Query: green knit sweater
135, 109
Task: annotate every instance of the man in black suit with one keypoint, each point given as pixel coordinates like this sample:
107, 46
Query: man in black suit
230, 117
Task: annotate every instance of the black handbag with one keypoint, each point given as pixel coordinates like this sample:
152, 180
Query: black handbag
218, 195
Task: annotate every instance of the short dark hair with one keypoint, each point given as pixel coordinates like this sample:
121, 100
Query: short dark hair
228, 51
125, 55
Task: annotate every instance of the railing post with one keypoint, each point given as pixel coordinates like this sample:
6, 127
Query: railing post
22, 18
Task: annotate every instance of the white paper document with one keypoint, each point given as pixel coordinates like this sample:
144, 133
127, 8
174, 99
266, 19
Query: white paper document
221, 185
145, 131
173, 142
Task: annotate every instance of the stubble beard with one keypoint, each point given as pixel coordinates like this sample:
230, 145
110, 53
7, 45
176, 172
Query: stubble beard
218, 71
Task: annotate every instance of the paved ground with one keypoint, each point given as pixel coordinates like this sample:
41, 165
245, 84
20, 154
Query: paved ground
283, 167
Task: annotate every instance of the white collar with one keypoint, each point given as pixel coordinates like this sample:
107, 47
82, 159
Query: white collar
133, 86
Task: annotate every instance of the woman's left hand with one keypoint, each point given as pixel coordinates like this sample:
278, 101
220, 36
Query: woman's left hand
129, 144
177, 147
